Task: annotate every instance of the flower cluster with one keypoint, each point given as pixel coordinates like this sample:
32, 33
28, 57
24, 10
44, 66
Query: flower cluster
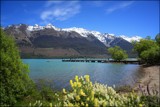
83, 93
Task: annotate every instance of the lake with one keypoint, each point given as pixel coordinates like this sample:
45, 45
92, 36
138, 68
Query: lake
58, 73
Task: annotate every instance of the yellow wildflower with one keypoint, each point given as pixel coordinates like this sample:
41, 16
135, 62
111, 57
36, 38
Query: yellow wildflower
75, 90
95, 102
86, 105
88, 99
77, 98
82, 103
65, 97
82, 93
50, 104
91, 84
71, 83
70, 105
76, 78
92, 98
64, 91
92, 93
79, 84
87, 78
30, 104
140, 105
104, 104
75, 84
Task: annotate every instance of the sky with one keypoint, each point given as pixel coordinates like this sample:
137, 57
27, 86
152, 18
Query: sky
130, 18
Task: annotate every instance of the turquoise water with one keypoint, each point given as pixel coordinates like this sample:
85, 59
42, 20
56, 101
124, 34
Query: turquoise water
58, 73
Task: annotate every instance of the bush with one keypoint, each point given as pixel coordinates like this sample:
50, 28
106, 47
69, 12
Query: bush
84, 93
14, 79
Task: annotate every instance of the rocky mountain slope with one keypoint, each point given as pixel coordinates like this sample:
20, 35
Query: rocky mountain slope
50, 41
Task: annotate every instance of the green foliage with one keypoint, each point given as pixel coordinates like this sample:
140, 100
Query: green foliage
84, 93
157, 38
14, 80
148, 51
117, 53
148, 38
47, 93
41, 95
125, 88
36, 104
151, 101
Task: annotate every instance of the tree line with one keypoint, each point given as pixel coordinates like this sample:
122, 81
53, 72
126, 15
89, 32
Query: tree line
148, 51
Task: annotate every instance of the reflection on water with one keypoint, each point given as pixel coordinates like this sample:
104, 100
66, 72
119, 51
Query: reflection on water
58, 73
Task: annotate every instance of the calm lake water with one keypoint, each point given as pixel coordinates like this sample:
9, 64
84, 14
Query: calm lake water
58, 73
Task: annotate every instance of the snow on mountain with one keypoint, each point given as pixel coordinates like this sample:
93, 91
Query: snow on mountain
99, 36
81, 31
50, 26
109, 36
37, 27
130, 39
104, 38
85, 33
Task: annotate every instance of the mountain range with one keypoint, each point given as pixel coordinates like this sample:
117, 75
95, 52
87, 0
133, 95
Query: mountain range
49, 41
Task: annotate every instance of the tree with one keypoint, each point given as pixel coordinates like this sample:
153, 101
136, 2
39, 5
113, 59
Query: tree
148, 38
117, 53
14, 79
148, 51
157, 38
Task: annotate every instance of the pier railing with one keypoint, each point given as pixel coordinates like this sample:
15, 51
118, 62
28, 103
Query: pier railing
102, 61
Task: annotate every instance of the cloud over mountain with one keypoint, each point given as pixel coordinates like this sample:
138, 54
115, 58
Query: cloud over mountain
60, 10
119, 6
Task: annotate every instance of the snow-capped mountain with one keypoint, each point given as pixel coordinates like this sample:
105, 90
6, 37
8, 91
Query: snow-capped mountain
36, 27
104, 38
130, 39
85, 33
49, 40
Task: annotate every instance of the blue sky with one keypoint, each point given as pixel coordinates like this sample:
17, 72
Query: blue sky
128, 18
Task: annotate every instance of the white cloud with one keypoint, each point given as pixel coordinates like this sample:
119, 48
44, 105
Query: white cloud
60, 10
98, 3
49, 3
120, 6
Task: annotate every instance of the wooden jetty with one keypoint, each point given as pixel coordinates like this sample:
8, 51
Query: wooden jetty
102, 61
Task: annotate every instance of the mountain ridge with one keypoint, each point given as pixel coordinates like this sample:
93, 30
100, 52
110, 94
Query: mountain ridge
36, 40
81, 31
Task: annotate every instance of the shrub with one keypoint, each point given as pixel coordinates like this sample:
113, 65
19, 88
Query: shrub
14, 79
84, 93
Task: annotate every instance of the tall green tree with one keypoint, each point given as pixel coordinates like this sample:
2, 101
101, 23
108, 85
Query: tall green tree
157, 38
14, 79
117, 53
148, 51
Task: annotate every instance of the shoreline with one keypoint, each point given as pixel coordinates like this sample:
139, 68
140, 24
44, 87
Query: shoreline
150, 81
